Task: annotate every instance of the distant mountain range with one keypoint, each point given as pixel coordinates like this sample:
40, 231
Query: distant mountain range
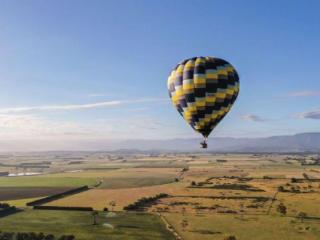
303, 142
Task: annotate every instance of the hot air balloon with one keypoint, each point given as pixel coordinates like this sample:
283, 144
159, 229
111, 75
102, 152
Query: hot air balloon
203, 90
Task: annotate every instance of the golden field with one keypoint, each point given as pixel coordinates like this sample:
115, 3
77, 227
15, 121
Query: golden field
215, 195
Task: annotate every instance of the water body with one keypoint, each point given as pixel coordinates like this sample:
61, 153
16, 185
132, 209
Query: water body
24, 174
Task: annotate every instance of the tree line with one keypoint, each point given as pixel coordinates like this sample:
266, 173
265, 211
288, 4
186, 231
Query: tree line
33, 236
6, 209
4, 205
57, 196
144, 202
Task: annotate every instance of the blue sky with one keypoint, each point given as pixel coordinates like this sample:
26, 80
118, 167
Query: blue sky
98, 69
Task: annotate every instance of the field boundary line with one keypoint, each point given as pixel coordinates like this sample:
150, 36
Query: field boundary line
55, 197
272, 201
170, 227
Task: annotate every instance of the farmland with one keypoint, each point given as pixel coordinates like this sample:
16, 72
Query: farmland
118, 226
15, 193
47, 181
249, 227
206, 196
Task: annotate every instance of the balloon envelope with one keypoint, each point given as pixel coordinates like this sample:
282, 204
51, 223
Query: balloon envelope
203, 90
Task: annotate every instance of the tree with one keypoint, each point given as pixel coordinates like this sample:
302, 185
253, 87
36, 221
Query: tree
185, 169
294, 180
241, 210
112, 204
67, 237
230, 238
184, 224
282, 209
302, 216
4, 205
183, 211
7, 235
49, 237
94, 215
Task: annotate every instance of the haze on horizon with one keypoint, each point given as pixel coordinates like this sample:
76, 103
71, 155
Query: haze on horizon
75, 71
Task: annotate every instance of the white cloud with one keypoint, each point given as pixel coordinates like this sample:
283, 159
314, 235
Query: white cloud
251, 117
27, 126
18, 121
98, 95
59, 107
310, 115
28, 123
30, 126
305, 94
70, 107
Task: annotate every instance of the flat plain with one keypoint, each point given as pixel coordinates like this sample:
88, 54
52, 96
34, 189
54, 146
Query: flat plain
208, 195
131, 226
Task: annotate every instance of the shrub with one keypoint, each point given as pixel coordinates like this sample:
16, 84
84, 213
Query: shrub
143, 202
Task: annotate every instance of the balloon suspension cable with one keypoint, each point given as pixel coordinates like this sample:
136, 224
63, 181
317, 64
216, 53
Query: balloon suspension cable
204, 143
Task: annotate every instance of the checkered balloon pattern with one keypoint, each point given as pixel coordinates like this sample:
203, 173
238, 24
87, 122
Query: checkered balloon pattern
203, 90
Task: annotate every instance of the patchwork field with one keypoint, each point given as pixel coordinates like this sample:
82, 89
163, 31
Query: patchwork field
100, 198
199, 196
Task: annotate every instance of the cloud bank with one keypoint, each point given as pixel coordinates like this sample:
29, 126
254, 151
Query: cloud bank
70, 107
310, 115
305, 94
59, 107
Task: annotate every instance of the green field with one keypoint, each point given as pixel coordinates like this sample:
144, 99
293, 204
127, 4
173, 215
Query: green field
45, 181
129, 226
131, 182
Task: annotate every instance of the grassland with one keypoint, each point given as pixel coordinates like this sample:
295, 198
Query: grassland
21, 203
249, 227
131, 226
126, 178
45, 181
